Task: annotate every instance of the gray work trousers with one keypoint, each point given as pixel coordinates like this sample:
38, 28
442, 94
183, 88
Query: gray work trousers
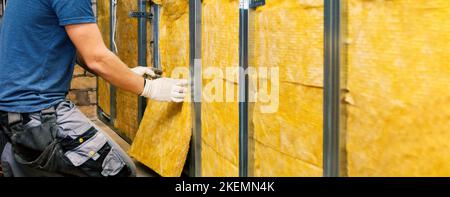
71, 124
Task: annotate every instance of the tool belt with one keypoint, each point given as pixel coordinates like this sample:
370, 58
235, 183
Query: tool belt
44, 148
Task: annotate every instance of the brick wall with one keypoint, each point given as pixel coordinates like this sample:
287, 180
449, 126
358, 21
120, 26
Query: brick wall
83, 92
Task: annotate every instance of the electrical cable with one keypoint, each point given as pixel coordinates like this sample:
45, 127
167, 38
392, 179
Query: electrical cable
114, 26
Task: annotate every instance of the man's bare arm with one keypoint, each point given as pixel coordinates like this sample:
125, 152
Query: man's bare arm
100, 60
80, 62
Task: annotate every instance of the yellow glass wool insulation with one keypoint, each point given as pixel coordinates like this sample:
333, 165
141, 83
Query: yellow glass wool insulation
396, 77
215, 165
289, 35
273, 163
220, 119
162, 141
398, 122
294, 134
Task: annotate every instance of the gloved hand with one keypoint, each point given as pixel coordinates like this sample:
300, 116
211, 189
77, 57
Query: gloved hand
165, 89
147, 72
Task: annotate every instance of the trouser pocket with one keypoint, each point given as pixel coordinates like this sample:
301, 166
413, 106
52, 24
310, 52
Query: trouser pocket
50, 160
37, 146
113, 165
92, 153
30, 143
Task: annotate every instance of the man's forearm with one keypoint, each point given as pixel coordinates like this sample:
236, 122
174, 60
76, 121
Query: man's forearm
112, 69
99, 59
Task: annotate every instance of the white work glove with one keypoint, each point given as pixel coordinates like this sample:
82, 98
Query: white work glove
165, 89
147, 71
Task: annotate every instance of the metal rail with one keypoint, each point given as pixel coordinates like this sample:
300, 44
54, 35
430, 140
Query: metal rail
2, 7
155, 42
331, 107
243, 88
142, 50
112, 29
195, 61
2, 10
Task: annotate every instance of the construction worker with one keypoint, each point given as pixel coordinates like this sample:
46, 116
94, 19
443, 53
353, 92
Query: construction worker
41, 133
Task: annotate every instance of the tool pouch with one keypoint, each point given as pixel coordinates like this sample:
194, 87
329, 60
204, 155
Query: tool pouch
37, 146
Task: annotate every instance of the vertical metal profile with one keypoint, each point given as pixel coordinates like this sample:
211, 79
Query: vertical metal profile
2, 9
195, 60
112, 29
155, 23
3, 6
332, 47
243, 88
142, 50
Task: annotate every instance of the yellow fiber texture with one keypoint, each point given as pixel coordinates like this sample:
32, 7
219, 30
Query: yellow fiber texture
396, 77
399, 88
289, 35
291, 138
220, 119
289, 142
103, 86
162, 142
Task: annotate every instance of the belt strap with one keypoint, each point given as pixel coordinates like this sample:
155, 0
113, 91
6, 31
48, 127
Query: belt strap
15, 118
49, 111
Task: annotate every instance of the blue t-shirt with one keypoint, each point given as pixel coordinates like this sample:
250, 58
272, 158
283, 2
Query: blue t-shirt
36, 55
